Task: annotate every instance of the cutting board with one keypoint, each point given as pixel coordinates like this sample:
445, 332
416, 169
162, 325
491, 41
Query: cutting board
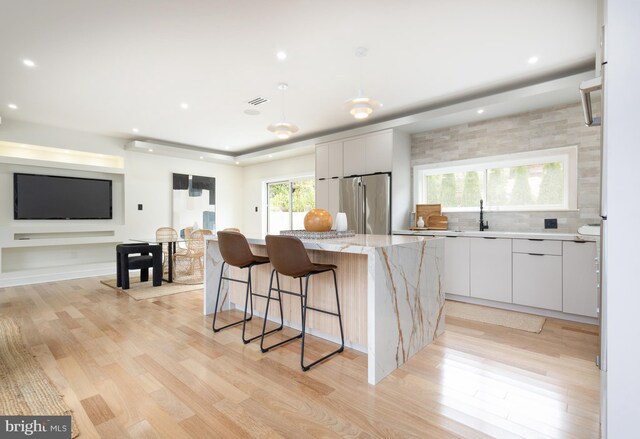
426, 210
437, 222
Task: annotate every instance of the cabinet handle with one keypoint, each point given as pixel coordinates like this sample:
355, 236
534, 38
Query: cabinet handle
450, 236
535, 254
333, 178
535, 239
580, 242
322, 178
489, 237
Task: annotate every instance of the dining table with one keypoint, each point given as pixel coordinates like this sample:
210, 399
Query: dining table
172, 246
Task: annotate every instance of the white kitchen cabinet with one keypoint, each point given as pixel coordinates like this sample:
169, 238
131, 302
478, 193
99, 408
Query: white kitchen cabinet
333, 204
490, 269
579, 281
328, 195
354, 156
322, 161
329, 160
456, 265
537, 280
322, 194
368, 154
379, 152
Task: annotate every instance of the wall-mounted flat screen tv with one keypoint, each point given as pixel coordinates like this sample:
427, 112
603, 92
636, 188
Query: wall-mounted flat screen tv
55, 197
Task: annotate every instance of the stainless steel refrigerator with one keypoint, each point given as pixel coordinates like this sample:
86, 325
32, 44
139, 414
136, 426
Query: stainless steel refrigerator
366, 200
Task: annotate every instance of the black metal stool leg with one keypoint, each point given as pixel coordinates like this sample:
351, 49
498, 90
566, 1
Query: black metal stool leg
264, 324
338, 314
250, 298
215, 311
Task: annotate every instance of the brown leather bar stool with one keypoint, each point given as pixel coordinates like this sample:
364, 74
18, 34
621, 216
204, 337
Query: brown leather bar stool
289, 258
236, 252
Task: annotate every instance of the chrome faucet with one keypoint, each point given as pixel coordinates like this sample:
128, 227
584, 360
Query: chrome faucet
484, 225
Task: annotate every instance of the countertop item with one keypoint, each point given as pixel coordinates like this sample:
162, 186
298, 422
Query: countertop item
589, 229
496, 234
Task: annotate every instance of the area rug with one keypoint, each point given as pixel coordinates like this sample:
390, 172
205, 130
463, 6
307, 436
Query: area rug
495, 316
25, 390
146, 290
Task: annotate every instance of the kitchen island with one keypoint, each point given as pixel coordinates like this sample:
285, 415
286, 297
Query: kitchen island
390, 293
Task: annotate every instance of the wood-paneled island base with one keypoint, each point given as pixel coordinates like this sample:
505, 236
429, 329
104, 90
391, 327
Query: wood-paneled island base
390, 293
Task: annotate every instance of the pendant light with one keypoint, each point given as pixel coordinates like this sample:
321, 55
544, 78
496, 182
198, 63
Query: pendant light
361, 106
283, 129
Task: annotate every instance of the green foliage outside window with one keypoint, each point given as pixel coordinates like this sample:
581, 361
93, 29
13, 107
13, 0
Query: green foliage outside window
527, 185
521, 193
471, 193
552, 185
303, 196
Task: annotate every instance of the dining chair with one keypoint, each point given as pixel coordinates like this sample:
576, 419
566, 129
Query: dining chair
193, 257
168, 235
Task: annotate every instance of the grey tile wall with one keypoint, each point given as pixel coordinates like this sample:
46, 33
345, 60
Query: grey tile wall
536, 130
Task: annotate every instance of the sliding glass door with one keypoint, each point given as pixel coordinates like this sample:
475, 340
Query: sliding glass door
287, 204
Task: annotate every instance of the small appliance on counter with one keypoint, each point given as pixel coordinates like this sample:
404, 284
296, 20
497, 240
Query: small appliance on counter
589, 229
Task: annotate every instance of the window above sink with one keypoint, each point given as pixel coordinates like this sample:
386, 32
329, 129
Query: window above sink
541, 180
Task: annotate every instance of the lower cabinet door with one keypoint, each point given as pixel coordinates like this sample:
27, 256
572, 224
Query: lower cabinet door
537, 280
490, 269
579, 287
456, 265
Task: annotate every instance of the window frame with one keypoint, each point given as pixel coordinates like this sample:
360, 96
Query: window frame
265, 196
568, 155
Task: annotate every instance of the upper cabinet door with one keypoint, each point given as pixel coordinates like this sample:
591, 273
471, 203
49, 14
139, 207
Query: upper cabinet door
379, 153
322, 161
354, 156
335, 160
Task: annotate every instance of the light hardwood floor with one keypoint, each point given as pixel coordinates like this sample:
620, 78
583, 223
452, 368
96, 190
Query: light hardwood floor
153, 368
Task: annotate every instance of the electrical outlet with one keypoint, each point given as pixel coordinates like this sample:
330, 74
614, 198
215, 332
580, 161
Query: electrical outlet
139, 206
551, 223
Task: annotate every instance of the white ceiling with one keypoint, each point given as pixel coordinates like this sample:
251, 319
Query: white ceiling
110, 66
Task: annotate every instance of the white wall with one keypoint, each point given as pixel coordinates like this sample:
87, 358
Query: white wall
622, 95
147, 180
255, 178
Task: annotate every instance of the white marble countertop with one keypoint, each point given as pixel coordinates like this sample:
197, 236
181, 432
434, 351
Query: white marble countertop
498, 234
352, 244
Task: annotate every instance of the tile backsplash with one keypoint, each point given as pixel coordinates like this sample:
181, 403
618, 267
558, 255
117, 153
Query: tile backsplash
551, 127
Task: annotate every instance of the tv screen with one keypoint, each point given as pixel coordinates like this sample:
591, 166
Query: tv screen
55, 197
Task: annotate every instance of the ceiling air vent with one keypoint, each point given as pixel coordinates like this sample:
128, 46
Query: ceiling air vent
257, 101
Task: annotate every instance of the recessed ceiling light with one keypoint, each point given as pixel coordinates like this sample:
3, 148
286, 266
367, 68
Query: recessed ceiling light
480, 111
533, 60
201, 158
270, 155
281, 55
251, 112
28, 63
150, 150
226, 147
184, 106
13, 106
135, 130
237, 163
